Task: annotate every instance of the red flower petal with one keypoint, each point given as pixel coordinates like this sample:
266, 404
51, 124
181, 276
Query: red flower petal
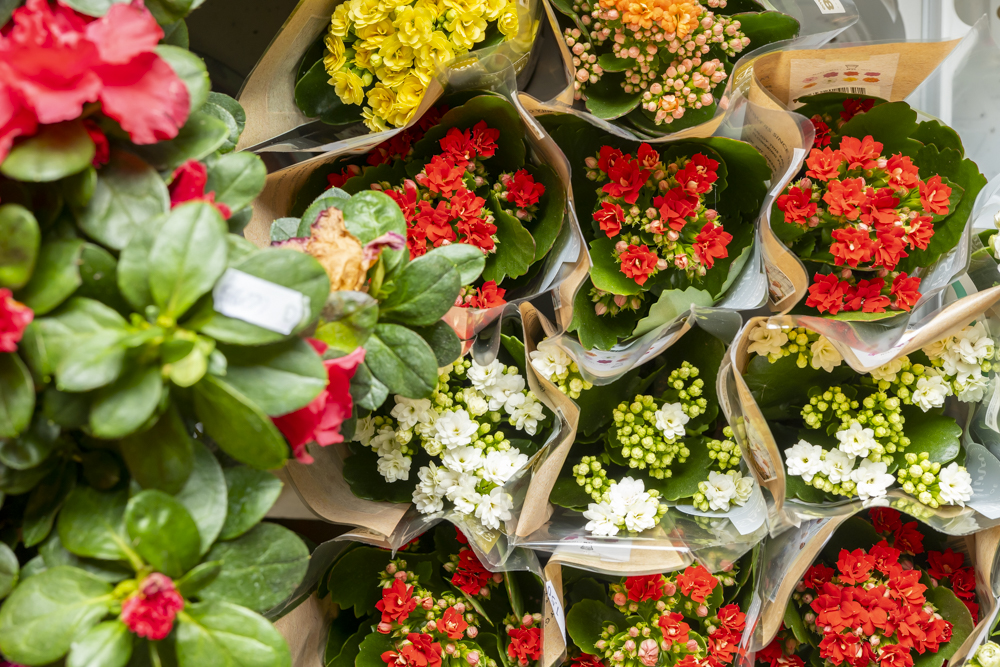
125, 32
146, 97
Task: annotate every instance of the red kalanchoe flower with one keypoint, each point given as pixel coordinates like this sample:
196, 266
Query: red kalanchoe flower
890, 247
853, 107
320, 421
942, 564
822, 137
397, 602
420, 651
150, 611
963, 583
441, 176
824, 164
844, 197
697, 583
839, 649
610, 218
972, 607
867, 297
395, 147
675, 207
797, 205
586, 660
406, 198
54, 60
894, 655
523, 190
14, 319
470, 576
457, 147
906, 289
859, 153
826, 294
854, 567
525, 644
879, 207
627, 179
102, 149
886, 558
608, 157
921, 231
903, 174
905, 586
851, 246
674, 628
909, 539
885, 519
336, 180
487, 296
484, 138
698, 174
731, 618
934, 196
188, 184
772, 652
477, 232
451, 623
648, 157
638, 263
710, 244
465, 205
645, 587
817, 575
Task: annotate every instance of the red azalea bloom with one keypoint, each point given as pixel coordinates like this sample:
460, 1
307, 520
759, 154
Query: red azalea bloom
921, 231
890, 247
879, 207
610, 218
646, 587
903, 174
906, 289
674, 628
443, 177
885, 519
859, 153
150, 611
854, 567
817, 575
824, 164
698, 174
638, 263
487, 296
822, 132
710, 244
732, 619
608, 157
525, 644
942, 564
851, 246
320, 421
844, 197
797, 205
675, 206
451, 623
484, 138
647, 157
867, 296
188, 184
54, 60
886, 558
826, 294
397, 602
963, 583
102, 150
457, 147
627, 179
14, 319
522, 190
853, 107
908, 539
840, 648
697, 583
894, 655
934, 196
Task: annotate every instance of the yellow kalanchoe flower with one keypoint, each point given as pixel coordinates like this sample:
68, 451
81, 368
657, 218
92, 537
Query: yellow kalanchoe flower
414, 25
349, 87
334, 58
466, 30
363, 13
395, 55
339, 23
410, 92
508, 23
492, 9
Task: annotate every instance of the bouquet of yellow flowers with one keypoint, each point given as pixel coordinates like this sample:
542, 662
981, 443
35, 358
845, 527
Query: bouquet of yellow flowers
381, 55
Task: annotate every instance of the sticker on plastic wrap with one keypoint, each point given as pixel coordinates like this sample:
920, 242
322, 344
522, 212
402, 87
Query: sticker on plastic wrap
557, 608
984, 468
873, 76
746, 519
609, 550
830, 6
260, 302
779, 285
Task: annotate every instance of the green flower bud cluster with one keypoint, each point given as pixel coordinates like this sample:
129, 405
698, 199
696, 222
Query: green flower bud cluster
643, 444
845, 488
919, 478
690, 396
571, 382
799, 341
724, 452
590, 474
880, 412
607, 303
403, 437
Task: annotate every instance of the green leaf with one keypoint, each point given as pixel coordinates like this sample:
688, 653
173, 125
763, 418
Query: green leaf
56, 276
362, 475
683, 483
672, 304
545, 228
936, 434
44, 502
371, 649
197, 578
9, 570
607, 98
202, 135
128, 194
251, 494
598, 331
955, 611
424, 291
366, 390
766, 27
793, 621
107, 644
53, 152
469, 260
32, 447
567, 493
259, 569
93, 7
233, 107
98, 270
169, 11
586, 620
176, 34
279, 378
236, 178
215, 111
93, 364
133, 264
163, 532
19, 241
92, 524
124, 406
42, 617
351, 572
17, 396
204, 495
348, 320
606, 271
443, 340
219, 633
368, 215
187, 257
777, 387
238, 426
189, 67
160, 457
77, 323
402, 361
54, 555
515, 246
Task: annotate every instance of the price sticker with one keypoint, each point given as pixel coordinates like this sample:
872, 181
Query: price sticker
260, 302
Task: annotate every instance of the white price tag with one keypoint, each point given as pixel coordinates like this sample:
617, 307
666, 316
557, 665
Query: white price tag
830, 6
557, 608
259, 302
609, 550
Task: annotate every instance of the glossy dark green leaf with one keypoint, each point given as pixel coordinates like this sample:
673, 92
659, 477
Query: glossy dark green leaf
366, 390
17, 396
189, 67
219, 633
369, 214
99, 272
133, 265
176, 34
204, 495
443, 340
197, 578
18, 482
585, 621
237, 425
236, 178
232, 106
56, 276
279, 378
45, 501
33, 446
424, 291
93, 364
202, 135
251, 494
9, 570
362, 475
469, 260
607, 98
163, 532
123, 407
515, 246
107, 644
76, 323
160, 457
92, 524
402, 361
53, 152
596, 331
222, 114
42, 617
371, 649
19, 241
54, 554
348, 320
605, 270
101, 469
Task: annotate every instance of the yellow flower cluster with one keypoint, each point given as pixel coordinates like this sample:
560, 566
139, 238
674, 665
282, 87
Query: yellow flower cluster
382, 54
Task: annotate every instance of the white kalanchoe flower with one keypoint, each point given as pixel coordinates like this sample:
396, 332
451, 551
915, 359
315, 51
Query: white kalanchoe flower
525, 412
426, 503
838, 466
454, 428
498, 467
767, 341
804, 460
973, 344
641, 514
955, 484
437, 480
410, 411
824, 355
364, 430
602, 519
464, 494
505, 388
720, 491
987, 655
394, 466
463, 459
384, 440
484, 378
494, 508
432, 446
670, 420
550, 361
972, 388
744, 488
931, 392
937, 349
889, 371
475, 402
623, 493
856, 440
872, 479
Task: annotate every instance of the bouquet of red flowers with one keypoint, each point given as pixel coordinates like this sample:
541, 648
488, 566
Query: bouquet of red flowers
884, 592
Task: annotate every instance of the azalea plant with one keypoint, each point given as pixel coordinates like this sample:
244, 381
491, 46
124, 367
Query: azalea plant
690, 617
659, 67
881, 199
668, 227
375, 62
653, 437
882, 592
856, 435
431, 603
464, 175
